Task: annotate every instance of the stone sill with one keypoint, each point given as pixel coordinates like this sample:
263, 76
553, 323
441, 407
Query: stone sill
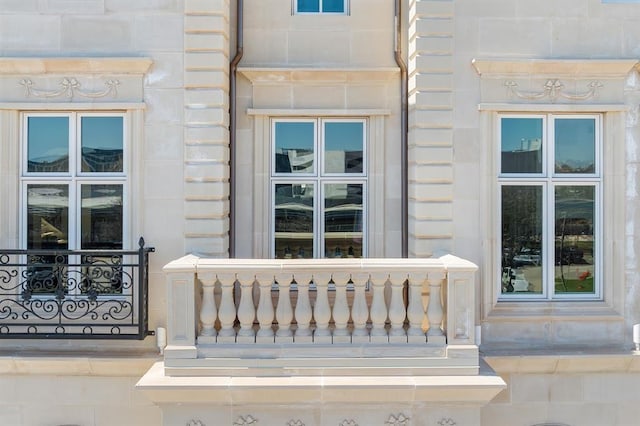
58, 364
561, 361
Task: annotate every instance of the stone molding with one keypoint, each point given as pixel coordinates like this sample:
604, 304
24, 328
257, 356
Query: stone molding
19, 66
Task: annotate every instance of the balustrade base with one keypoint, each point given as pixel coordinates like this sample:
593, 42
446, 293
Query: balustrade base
326, 360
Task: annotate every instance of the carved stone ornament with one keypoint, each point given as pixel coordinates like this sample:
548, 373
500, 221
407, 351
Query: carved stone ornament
346, 422
195, 423
398, 420
245, 420
553, 89
69, 88
447, 422
295, 423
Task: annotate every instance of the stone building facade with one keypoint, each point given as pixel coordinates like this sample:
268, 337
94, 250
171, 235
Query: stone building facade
232, 118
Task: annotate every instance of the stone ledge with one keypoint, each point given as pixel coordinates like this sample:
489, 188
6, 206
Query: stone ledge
57, 365
548, 362
471, 389
107, 65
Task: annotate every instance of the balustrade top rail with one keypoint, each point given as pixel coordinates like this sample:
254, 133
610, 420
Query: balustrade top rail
74, 294
321, 301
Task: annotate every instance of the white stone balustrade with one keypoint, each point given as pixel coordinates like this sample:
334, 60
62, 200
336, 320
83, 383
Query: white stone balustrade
319, 301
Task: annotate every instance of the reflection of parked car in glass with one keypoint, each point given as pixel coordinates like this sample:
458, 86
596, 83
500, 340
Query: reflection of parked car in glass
569, 255
527, 257
514, 281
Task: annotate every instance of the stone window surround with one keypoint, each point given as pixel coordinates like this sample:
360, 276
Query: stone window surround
594, 86
375, 155
79, 84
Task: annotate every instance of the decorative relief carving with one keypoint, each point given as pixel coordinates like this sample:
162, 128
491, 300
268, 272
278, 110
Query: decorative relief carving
447, 422
399, 420
346, 422
553, 89
69, 87
195, 423
243, 421
295, 423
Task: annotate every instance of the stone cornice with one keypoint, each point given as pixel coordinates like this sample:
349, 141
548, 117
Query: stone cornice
579, 68
260, 75
79, 65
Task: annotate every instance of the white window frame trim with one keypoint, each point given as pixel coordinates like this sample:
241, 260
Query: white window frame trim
75, 178
548, 180
346, 3
319, 178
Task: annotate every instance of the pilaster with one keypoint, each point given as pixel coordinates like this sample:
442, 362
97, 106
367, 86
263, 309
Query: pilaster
430, 150
206, 126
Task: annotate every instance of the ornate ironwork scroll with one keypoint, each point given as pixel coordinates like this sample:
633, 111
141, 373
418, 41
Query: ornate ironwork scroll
74, 293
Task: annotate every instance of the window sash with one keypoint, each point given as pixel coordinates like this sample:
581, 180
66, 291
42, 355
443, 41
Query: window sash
549, 181
319, 210
321, 6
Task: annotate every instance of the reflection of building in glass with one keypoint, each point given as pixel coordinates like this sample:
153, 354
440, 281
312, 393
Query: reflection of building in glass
101, 160
60, 164
526, 159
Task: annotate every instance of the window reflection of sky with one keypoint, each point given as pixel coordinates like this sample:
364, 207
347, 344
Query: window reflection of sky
343, 136
102, 132
574, 138
48, 138
515, 130
294, 136
575, 142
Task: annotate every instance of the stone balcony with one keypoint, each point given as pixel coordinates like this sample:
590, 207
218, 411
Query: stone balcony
255, 317
324, 339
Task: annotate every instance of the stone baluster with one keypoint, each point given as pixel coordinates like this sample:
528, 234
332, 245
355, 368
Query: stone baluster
284, 312
359, 311
415, 310
397, 312
340, 311
435, 311
322, 311
378, 308
265, 309
303, 311
246, 308
227, 310
208, 310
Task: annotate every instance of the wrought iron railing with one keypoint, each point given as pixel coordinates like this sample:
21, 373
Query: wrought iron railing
75, 294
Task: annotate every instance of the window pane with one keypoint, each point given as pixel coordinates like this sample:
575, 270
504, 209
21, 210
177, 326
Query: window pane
522, 247
47, 229
343, 220
521, 145
47, 144
101, 228
574, 242
47, 216
101, 221
335, 6
308, 5
575, 145
294, 220
102, 144
294, 147
343, 144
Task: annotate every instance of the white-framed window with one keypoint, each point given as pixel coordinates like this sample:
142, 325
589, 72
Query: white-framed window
550, 209
73, 187
321, 6
318, 187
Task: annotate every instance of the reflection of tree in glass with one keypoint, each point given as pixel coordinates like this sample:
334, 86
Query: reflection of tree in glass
521, 220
